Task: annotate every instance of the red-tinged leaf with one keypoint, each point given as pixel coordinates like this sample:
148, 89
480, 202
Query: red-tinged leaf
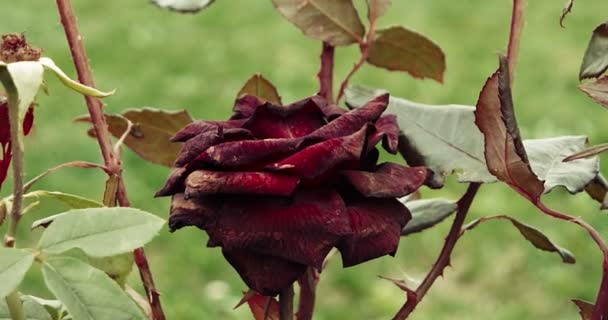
587, 153
536, 237
597, 90
400, 49
151, 132
390, 180
504, 152
595, 61
302, 229
565, 11
376, 228
585, 309
377, 8
263, 308
203, 182
336, 21
260, 87
265, 274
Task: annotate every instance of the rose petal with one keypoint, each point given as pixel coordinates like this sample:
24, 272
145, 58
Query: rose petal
376, 225
293, 121
191, 212
264, 274
318, 159
387, 130
197, 127
302, 230
390, 180
246, 152
245, 106
352, 121
203, 182
174, 183
195, 146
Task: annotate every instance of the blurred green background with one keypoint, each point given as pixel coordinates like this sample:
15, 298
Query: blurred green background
167, 60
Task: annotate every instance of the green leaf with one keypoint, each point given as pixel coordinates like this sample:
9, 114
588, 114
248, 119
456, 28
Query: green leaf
400, 49
429, 140
100, 232
377, 8
14, 263
74, 85
184, 6
260, 87
336, 22
88, 293
117, 267
25, 79
53, 307
32, 309
597, 90
149, 137
595, 61
585, 309
71, 200
536, 237
427, 213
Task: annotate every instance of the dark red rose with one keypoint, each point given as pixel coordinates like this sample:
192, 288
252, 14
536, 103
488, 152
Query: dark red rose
5, 136
277, 187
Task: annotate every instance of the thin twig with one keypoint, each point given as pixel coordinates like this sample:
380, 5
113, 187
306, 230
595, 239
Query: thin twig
443, 260
111, 160
326, 74
18, 169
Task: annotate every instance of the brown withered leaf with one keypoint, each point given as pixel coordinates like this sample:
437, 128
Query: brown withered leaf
377, 8
595, 61
260, 87
567, 9
535, 236
263, 308
336, 22
504, 152
400, 49
597, 90
585, 309
149, 137
598, 190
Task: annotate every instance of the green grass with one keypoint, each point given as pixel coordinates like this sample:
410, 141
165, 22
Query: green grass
161, 59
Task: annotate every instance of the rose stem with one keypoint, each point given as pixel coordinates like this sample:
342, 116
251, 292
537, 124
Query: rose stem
464, 203
326, 74
111, 160
286, 304
308, 285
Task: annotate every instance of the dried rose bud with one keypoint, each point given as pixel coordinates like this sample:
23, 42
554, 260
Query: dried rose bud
277, 187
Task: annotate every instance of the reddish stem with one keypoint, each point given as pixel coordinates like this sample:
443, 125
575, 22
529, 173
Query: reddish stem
308, 285
111, 160
286, 304
444, 257
326, 74
517, 26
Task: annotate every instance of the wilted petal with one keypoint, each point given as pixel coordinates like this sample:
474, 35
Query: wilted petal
191, 212
174, 183
352, 121
302, 230
195, 146
320, 158
376, 225
264, 274
197, 127
387, 130
203, 182
245, 106
293, 121
247, 152
390, 180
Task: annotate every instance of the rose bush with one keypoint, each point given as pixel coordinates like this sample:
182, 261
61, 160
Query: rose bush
277, 187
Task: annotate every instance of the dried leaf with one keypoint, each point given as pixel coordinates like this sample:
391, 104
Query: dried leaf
426, 213
184, 6
598, 190
567, 9
400, 49
585, 309
588, 153
595, 61
536, 237
263, 308
152, 129
377, 8
597, 90
336, 21
260, 87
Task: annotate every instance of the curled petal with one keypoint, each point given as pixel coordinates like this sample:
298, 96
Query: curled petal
191, 212
197, 127
319, 159
245, 106
390, 180
302, 230
265, 274
195, 146
387, 130
247, 152
352, 120
174, 184
376, 228
203, 182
